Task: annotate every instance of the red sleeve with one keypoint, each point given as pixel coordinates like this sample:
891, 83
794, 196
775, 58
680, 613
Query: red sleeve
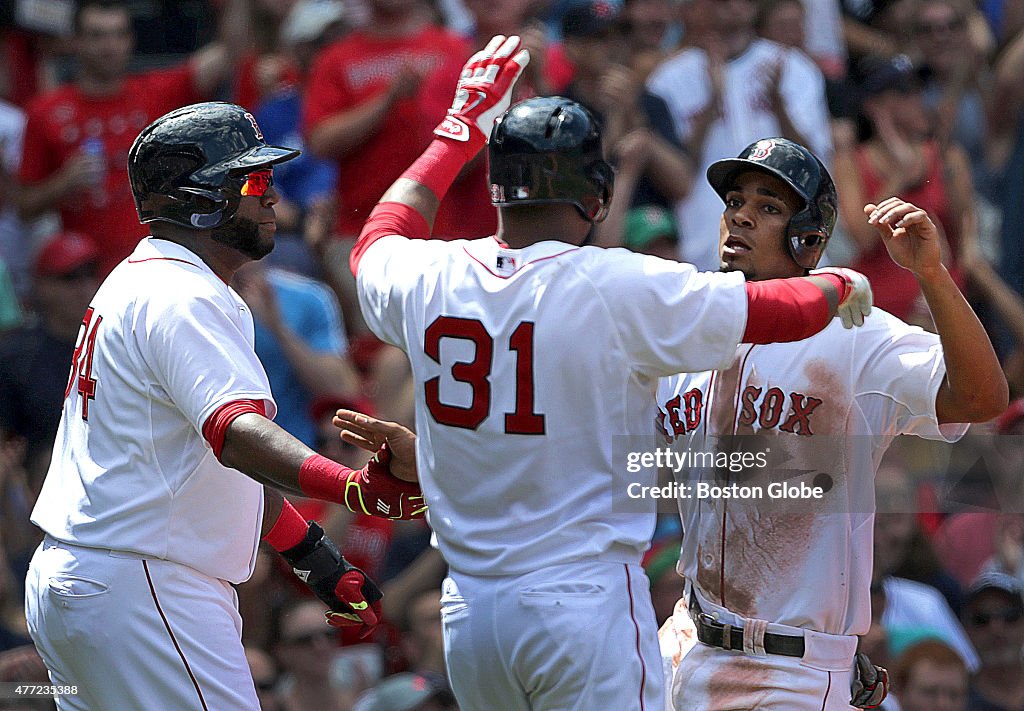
216, 426
38, 161
386, 219
783, 310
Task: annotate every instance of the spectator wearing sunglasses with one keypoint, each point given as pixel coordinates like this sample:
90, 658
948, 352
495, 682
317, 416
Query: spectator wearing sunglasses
306, 650
994, 620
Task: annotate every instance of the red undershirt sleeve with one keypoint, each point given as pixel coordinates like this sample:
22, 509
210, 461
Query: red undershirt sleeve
216, 426
782, 310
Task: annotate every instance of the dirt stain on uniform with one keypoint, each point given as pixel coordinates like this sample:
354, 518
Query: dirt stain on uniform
740, 683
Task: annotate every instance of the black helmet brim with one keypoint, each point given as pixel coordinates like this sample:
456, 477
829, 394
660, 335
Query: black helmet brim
721, 174
253, 158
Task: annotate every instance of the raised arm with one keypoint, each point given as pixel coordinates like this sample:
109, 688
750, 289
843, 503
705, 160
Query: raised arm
975, 388
483, 93
217, 61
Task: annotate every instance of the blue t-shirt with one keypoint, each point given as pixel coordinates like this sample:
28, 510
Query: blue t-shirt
311, 310
307, 177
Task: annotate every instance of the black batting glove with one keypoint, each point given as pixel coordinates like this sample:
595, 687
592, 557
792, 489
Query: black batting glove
353, 598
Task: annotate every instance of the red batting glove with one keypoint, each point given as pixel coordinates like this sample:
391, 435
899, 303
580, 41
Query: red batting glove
353, 589
375, 491
484, 92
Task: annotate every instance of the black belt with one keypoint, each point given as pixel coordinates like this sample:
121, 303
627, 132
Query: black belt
723, 636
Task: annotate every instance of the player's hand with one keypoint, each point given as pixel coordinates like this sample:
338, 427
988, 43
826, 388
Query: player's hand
352, 597
484, 92
858, 302
909, 234
356, 600
619, 90
870, 684
372, 434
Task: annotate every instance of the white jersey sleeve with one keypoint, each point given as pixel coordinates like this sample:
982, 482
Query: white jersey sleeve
178, 338
389, 271
670, 317
900, 378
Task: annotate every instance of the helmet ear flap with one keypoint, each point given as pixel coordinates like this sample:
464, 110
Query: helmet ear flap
603, 178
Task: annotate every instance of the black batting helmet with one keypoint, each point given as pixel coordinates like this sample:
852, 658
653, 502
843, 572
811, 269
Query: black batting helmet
810, 228
195, 155
548, 150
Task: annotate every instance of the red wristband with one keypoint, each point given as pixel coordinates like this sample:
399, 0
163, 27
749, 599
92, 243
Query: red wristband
439, 165
323, 478
289, 529
842, 284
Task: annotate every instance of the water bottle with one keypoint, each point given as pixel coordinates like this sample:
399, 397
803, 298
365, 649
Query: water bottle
93, 146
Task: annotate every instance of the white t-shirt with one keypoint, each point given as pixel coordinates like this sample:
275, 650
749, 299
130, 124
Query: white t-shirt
682, 81
824, 410
528, 363
166, 343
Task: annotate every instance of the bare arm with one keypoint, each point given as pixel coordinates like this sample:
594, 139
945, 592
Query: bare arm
340, 134
217, 61
320, 373
260, 449
863, 39
1006, 100
848, 185
778, 101
975, 388
669, 169
272, 503
80, 172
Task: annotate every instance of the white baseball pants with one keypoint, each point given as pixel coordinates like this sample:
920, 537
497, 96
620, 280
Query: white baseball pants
705, 678
135, 633
573, 637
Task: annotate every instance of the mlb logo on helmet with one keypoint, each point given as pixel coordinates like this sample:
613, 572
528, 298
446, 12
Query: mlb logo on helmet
762, 149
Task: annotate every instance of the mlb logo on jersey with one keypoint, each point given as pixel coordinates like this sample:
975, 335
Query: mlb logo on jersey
505, 263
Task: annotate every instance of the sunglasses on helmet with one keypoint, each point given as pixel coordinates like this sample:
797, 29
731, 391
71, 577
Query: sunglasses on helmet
258, 182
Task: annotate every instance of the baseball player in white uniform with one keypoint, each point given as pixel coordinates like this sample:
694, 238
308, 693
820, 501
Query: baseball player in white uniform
531, 352
154, 502
779, 588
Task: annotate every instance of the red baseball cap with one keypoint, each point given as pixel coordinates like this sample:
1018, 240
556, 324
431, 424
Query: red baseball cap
65, 253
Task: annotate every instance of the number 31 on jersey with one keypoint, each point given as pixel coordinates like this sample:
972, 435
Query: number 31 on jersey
475, 373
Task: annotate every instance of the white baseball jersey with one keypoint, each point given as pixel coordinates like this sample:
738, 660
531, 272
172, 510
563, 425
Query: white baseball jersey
528, 362
827, 408
682, 81
164, 344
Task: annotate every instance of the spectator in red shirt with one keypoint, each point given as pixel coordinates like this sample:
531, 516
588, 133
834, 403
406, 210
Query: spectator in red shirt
77, 136
365, 108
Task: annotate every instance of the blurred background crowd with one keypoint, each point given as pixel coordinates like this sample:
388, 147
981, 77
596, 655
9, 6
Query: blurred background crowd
919, 98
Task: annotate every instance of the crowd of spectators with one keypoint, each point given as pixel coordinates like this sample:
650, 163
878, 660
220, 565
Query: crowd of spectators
919, 98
